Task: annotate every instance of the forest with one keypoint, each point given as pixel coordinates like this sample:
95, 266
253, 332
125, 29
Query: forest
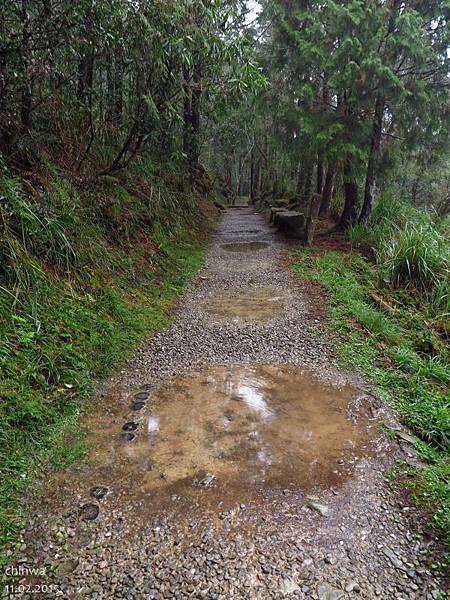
127, 127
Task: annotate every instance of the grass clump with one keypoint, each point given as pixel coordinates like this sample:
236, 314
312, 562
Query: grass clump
411, 248
78, 290
414, 255
396, 348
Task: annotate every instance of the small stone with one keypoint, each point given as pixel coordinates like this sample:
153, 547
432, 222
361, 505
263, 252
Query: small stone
130, 426
289, 586
320, 508
66, 567
89, 512
393, 426
393, 558
326, 592
137, 406
98, 492
406, 437
352, 586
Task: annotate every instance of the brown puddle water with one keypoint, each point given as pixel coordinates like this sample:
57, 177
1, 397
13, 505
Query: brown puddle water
244, 246
228, 433
259, 304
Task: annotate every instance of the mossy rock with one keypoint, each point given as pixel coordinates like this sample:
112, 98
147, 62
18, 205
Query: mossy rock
274, 211
290, 222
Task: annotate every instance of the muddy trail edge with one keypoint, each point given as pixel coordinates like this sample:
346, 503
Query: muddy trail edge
232, 459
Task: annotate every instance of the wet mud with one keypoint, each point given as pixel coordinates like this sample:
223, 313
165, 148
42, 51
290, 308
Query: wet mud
259, 304
244, 246
211, 436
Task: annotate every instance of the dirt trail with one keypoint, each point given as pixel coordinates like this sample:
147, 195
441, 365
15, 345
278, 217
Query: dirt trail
232, 459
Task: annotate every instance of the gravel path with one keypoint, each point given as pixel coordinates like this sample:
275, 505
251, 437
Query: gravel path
107, 529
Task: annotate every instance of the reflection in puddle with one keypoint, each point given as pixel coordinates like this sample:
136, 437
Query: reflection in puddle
254, 398
153, 425
244, 246
249, 428
259, 304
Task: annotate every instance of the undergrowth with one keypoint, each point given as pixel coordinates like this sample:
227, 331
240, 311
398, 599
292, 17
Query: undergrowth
83, 278
396, 348
411, 248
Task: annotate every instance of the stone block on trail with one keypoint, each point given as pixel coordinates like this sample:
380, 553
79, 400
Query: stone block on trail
274, 212
291, 223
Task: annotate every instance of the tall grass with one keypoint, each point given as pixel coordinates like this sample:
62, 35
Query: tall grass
411, 248
414, 255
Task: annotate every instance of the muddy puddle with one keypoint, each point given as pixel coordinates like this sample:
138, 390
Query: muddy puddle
224, 434
260, 304
244, 246
244, 266
231, 232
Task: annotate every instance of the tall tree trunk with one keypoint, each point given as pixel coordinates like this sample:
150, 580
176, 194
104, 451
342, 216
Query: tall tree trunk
239, 176
300, 180
252, 176
26, 97
328, 187
377, 128
115, 85
85, 70
308, 181
320, 173
192, 98
372, 164
118, 84
351, 205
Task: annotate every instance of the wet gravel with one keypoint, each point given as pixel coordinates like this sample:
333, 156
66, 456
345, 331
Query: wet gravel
195, 338
362, 540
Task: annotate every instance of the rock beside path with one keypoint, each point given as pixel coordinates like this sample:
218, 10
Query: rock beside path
290, 223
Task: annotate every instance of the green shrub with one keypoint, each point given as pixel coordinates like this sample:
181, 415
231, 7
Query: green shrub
415, 255
439, 301
412, 250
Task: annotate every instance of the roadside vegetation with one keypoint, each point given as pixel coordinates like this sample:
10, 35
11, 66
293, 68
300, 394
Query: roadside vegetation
388, 298
84, 277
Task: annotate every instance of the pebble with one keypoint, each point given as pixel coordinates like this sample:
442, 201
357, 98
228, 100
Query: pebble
320, 508
352, 586
89, 512
327, 592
